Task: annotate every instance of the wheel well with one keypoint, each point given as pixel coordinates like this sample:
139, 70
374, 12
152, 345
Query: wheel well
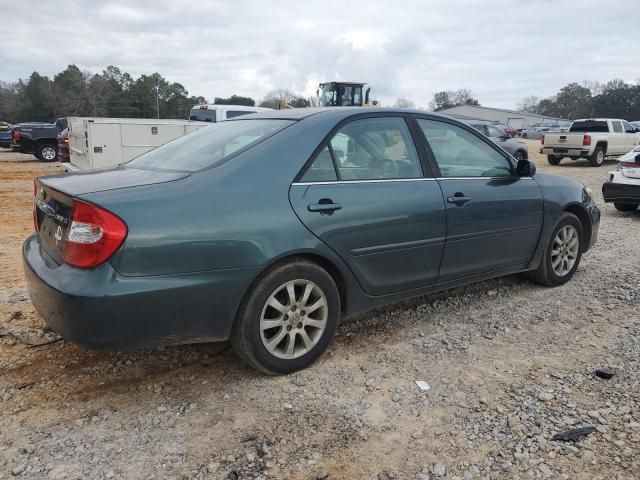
323, 262
331, 270
602, 144
47, 141
582, 215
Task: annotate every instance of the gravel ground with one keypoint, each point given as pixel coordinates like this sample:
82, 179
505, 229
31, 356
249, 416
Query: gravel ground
509, 363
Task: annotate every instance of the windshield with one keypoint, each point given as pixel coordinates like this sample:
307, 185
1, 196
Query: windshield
208, 146
590, 126
200, 114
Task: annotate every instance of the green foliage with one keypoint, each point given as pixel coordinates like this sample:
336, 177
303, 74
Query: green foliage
235, 100
452, 98
614, 99
111, 93
272, 99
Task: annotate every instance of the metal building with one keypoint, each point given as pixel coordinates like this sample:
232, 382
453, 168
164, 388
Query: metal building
511, 118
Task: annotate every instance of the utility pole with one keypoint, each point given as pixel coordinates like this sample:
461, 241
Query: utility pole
157, 99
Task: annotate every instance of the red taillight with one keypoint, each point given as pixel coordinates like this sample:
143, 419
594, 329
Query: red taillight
629, 165
542, 140
35, 212
586, 140
66, 139
16, 135
93, 236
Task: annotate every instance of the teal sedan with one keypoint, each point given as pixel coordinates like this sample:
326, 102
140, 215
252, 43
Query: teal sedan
269, 229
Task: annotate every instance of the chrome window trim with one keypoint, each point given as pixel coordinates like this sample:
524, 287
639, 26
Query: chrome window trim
482, 178
384, 180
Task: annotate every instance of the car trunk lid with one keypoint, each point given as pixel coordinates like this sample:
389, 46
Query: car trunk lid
54, 199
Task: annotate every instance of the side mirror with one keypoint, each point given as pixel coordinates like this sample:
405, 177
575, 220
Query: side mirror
525, 168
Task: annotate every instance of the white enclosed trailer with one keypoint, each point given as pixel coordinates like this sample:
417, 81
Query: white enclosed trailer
106, 142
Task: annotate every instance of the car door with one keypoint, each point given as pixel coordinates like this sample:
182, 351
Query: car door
494, 218
617, 139
364, 193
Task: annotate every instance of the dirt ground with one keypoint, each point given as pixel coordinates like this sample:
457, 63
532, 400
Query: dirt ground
509, 364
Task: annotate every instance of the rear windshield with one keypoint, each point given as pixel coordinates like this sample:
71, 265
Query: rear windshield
208, 146
590, 126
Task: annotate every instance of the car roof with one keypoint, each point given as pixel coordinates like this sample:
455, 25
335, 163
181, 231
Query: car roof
338, 113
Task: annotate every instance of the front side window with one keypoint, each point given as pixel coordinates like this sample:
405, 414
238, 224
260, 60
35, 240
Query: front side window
375, 148
208, 146
617, 126
628, 128
459, 153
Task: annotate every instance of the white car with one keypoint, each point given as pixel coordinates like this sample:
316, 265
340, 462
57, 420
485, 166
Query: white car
623, 185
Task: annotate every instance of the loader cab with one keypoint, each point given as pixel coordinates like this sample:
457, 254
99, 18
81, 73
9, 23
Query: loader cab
342, 94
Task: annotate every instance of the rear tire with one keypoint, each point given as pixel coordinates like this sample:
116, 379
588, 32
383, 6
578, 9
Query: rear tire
47, 152
597, 157
562, 254
554, 159
625, 207
281, 339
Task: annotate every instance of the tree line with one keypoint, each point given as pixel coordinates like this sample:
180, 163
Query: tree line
613, 99
113, 93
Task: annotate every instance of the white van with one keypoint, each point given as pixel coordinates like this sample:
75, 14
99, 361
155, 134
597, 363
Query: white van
220, 113
106, 142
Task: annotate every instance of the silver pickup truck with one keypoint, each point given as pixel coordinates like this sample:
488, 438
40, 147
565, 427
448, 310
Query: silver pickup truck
591, 138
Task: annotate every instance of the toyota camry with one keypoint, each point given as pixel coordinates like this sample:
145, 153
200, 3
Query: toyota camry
269, 229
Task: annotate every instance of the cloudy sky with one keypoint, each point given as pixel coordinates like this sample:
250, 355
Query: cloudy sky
501, 50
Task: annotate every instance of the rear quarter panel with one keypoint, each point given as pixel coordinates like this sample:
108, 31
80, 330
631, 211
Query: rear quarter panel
235, 215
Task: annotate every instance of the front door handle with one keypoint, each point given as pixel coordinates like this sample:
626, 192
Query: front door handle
324, 207
459, 199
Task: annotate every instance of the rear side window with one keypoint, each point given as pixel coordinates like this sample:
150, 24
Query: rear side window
595, 126
617, 126
375, 148
203, 115
208, 146
237, 113
322, 169
628, 128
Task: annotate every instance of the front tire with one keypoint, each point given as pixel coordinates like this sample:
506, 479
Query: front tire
47, 152
625, 207
554, 159
597, 157
562, 254
287, 319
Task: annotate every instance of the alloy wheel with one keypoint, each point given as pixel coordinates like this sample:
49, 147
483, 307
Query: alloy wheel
48, 153
293, 319
600, 157
564, 251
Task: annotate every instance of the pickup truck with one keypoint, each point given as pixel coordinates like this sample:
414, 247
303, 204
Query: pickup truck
41, 139
591, 138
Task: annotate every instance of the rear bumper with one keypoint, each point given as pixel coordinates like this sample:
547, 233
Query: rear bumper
101, 309
567, 152
620, 192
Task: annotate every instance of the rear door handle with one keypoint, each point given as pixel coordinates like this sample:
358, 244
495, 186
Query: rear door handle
324, 207
458, 199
